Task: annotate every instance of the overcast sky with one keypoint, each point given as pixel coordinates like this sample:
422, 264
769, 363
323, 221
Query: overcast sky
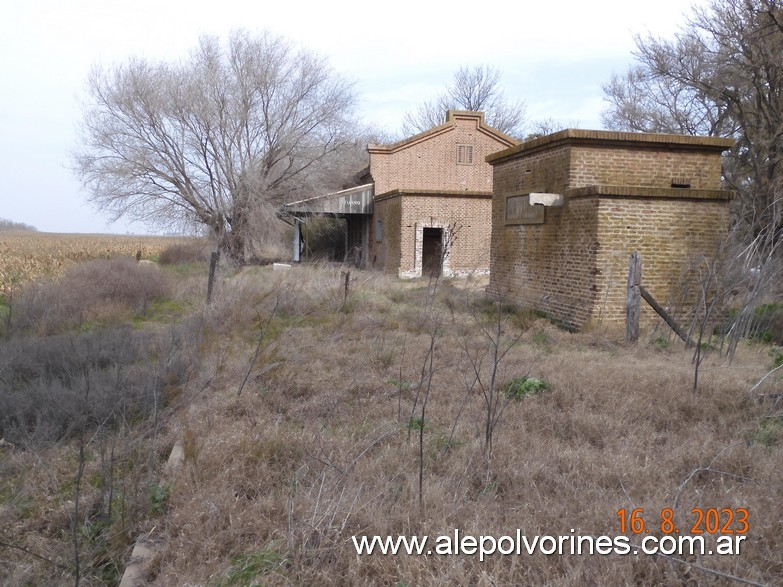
554, 55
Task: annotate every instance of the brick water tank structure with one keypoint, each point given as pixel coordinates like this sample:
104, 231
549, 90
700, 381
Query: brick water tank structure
602, 196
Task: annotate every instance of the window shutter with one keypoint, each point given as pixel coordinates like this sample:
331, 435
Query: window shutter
464, 154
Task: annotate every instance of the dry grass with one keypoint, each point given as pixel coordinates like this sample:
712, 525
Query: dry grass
277, 480
313, 452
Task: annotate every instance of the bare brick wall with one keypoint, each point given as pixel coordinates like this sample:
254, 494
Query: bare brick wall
645, 167
385, 255
619, 199
419, 183
667, 233
467, 229
550, 266
540, 172
568, 167
428, 161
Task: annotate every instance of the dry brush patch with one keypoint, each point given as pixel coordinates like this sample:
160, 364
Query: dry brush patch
313, 451
91, 292
85, 396
87, 418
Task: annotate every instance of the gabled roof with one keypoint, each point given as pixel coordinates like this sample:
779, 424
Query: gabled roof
452, 116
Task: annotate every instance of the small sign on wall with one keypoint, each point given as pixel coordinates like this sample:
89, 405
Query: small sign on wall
520, 211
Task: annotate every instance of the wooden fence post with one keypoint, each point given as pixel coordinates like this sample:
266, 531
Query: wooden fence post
347, 277
633, 299
665, 315
213, 259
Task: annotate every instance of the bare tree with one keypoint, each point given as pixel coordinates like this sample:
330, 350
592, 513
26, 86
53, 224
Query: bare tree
644, 102
720, 75
478, 89
547, 126
216, 140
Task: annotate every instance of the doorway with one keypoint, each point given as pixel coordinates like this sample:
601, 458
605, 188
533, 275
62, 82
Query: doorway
432, 252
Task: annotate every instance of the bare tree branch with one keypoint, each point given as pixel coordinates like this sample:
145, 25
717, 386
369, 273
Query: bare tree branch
219, 139
721, 75
478, 89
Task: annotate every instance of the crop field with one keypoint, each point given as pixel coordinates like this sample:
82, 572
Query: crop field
29, 255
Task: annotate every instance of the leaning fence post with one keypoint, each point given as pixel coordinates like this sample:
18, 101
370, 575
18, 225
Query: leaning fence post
633, 298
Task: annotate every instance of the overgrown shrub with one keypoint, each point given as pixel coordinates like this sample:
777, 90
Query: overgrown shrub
86, 394
181, 253
98, 291
767, 325
53, 387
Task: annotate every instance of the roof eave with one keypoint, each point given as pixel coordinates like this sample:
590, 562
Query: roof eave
573, 136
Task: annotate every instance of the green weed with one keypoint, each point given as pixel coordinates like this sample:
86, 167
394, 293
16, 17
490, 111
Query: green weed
247, 568
662, 343
162, 310
418, 423
159, 498
520, 387
768, 323
769, 432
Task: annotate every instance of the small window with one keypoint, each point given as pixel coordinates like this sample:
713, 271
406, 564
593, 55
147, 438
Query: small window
379, 231
464, 154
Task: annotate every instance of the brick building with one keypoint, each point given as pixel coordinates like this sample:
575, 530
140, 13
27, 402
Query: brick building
434, 190
428, 206
603, 195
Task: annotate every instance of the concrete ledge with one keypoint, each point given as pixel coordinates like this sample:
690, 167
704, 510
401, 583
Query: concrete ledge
135, 573
540, 199
176, 459
433, 193
615, 139
627, 191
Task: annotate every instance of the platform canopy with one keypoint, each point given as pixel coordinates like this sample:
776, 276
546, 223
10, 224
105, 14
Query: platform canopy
356, 200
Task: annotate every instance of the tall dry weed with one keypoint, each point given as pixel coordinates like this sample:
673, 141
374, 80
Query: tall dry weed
314, 452
94, 291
